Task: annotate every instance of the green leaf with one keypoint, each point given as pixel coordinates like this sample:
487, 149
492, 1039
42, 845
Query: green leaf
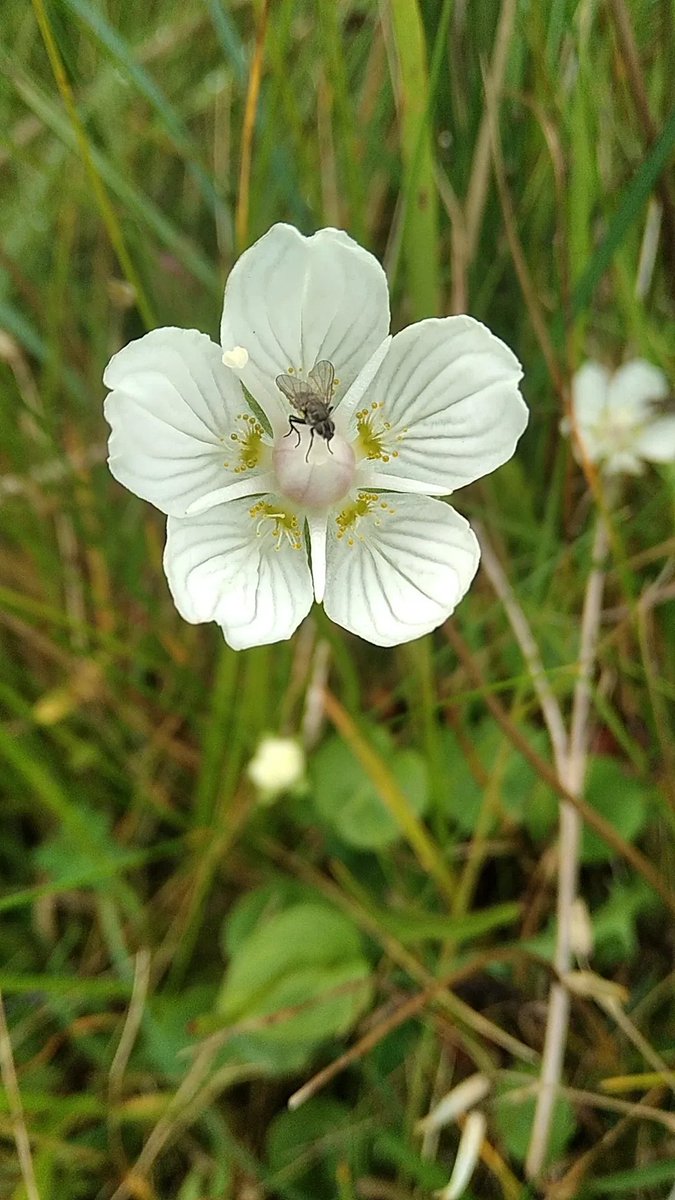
513, 1119
620, 798
66, 862
309, 1143
254, 907
633, 1180
410, 927
346, 799
297, 957
393, 1150
528, 802
614, 932
168, 1028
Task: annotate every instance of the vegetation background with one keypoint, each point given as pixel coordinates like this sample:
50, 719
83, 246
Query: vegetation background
506, 159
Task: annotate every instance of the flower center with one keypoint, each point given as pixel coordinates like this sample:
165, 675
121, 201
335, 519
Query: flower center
374, 436
247, 444
312, 471
278, 522
618, 430
368, 505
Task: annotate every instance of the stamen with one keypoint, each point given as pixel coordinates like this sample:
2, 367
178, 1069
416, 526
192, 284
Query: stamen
248, 442
374, 436
285, 525
367, 504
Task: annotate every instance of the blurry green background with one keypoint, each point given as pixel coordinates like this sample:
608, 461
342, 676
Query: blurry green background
506, 159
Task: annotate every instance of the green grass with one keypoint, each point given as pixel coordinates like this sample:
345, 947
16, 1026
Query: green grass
496, 157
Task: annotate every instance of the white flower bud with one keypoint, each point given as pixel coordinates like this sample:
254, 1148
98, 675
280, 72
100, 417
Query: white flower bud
277, 766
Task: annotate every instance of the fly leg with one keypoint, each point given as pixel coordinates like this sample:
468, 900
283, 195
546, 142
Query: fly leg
294, 422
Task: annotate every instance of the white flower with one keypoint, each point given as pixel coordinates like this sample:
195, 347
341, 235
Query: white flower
617, 416
277, 766
250, 488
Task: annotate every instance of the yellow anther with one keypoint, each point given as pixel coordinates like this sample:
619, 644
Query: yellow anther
373, 436
284, 525
349, 519
249, 441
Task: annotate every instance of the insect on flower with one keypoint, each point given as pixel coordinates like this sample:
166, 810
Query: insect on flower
312, 400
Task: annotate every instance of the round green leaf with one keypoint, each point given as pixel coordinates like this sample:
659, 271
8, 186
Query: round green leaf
312, 1140
297, 957
620, 798
513, 1119
346, 799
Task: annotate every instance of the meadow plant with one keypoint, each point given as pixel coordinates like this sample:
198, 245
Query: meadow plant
367, 892
305, 333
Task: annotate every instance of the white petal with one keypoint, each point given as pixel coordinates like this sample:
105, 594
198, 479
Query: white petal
265, 482
635, 386
316, 523
590, 387
227, 565
657, 441
291, 301
367, 477
445, 404
344, 408
397, 570
173, 407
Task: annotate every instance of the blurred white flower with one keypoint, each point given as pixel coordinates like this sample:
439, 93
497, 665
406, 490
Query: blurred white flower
618, 418
322, 490
277, 766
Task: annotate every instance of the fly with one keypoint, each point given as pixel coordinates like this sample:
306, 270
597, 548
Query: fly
312, 400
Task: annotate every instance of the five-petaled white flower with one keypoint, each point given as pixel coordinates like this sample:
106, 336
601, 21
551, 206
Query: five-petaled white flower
322, 488
618, 419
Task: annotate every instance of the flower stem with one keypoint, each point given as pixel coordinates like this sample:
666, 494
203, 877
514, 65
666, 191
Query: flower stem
572, 777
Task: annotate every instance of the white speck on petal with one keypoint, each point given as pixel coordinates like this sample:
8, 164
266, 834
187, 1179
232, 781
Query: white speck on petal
236, 358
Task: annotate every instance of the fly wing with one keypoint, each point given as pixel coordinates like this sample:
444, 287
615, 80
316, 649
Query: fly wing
321, 379
294, 389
